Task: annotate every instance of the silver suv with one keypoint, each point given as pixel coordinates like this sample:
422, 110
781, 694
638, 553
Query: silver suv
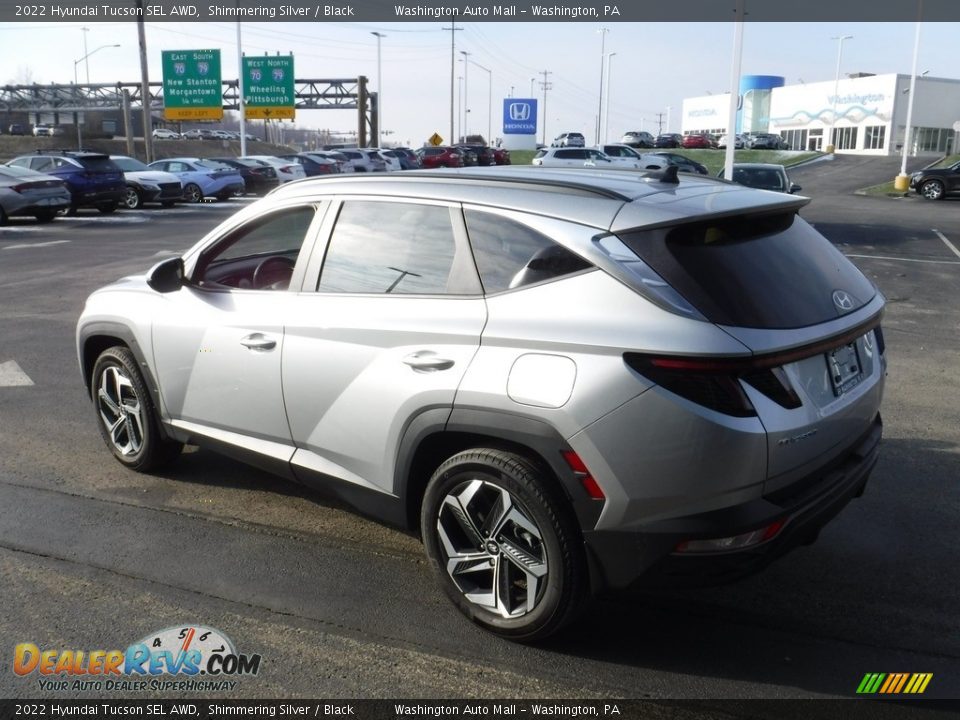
567, 383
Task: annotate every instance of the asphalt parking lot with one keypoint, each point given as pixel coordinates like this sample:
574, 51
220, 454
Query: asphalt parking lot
94, 556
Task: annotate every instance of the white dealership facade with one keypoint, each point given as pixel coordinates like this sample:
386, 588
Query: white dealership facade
869, 113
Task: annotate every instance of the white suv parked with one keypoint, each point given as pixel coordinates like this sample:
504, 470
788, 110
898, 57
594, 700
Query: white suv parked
594, 159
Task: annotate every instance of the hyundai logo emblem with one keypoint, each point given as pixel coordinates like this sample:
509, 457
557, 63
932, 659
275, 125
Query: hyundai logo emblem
842, 300
519, 112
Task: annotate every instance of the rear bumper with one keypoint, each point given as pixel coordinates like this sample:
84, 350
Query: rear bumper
622, 560
99, 196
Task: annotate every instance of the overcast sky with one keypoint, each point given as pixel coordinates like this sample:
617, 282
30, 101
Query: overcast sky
655, 66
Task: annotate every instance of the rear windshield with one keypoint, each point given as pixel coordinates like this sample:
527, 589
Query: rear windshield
767, 271
97, 164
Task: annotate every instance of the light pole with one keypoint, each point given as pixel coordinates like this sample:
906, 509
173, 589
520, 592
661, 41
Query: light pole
832, 145
379, 36
532, 81
606, 109
489, 99
734, 89
466, 97
902, 181
75, 64
603, 40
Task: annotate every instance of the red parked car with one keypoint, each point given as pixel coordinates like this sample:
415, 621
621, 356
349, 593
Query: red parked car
501, 156
699, 141
440, 156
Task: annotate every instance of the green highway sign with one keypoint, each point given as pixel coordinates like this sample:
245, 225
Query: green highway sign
192, 87
268, 86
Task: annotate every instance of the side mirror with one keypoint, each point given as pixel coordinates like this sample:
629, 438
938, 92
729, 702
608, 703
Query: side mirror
167, 275
794, 188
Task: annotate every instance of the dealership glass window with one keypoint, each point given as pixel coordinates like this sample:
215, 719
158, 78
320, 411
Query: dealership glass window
929, 140
796, 139
874, 137
846, 138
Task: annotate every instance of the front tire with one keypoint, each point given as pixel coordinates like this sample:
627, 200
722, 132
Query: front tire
132, 200
504, 544
932, 190
126, 415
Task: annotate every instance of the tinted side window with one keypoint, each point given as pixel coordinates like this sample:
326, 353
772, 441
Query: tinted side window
566, 154
385, 247
510, 255
42, 164
273, 242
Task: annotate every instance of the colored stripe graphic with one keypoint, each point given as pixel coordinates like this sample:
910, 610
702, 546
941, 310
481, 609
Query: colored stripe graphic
894, 683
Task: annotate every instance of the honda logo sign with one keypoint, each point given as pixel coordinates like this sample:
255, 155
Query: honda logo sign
520, 116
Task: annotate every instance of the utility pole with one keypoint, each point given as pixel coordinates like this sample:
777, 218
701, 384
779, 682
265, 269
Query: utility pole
603, 40
466, 98
660, 123
546, 85
144, 87
379, 36
453, 70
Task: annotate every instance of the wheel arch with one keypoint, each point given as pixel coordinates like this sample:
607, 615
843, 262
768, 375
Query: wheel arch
433, 437
96, 337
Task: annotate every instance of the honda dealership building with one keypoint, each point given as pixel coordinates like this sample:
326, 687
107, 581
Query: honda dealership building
869, 112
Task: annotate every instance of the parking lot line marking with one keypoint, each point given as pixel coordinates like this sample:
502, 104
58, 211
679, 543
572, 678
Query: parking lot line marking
34, 245
12, 376
904, 259
947, 242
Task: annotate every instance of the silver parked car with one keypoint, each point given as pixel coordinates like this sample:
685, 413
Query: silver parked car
567, 383
763, 176
594, 159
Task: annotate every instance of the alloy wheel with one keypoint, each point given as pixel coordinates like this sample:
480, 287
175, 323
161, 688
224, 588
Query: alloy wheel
121, 411
131, 199
932, 190
494, 550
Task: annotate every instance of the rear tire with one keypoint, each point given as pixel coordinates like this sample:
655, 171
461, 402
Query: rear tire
192, 193
504, 544
126, 414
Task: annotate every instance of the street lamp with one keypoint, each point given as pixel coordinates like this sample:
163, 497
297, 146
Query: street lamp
75, 83
836, 90
489, 99
902, 181
606, 110
532, 81
379, 36
603, 39
466, 97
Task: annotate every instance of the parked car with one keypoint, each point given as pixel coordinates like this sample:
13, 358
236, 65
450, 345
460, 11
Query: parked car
287, 171
17, 129
501, 156
161, 133
25, 192
565, 388
594, 159
763, 176
146, 184
203, 178
468, 157
937, 183
258, 178
363, 162
682, 162
484, 153
573, 139
390, 159
408, 158
699, 141
198, 134
738, 142
767, 141
223, 135
439, 156
41, 130
93, 178
313, 165
638, 138
343, 163
668, 140
648, 160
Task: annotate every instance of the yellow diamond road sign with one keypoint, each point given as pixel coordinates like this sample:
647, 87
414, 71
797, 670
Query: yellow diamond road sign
435, 139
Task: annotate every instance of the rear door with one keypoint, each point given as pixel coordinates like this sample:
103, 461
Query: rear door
389, 320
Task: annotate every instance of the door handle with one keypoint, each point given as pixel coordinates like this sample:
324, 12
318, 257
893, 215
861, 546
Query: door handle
427, 361
258, 342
